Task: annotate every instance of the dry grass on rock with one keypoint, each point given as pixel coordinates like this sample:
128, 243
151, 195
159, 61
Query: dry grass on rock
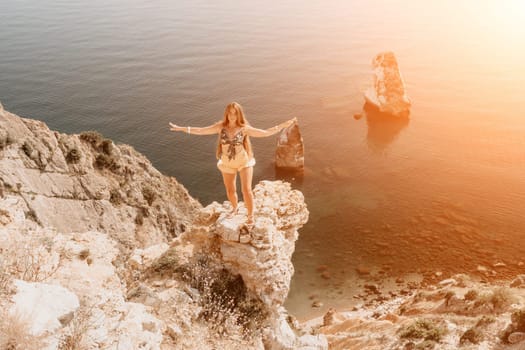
15, 333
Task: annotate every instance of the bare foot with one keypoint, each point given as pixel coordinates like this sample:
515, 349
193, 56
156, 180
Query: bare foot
250, 222
232, 213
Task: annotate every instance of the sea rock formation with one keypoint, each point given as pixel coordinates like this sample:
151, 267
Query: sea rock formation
289, 154
128, 258
388, 93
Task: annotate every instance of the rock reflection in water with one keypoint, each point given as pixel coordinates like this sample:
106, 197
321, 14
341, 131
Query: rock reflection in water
382, 128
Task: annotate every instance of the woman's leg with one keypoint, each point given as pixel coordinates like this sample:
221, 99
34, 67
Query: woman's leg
247, 194
231, 190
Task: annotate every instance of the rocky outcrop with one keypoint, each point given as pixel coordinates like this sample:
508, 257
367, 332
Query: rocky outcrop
127, 259
47, 305
388, 94
289, 154
264, 261
86, 182
260, 255
458, 312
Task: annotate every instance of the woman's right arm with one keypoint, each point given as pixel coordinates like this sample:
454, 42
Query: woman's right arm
207, 130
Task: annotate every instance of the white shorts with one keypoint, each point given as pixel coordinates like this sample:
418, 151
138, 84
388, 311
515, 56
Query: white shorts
238, 163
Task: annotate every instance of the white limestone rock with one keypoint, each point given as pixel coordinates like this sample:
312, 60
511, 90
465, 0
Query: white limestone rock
279, 336
125, 196
43, 305
312, 342
142, 258
138, 329
265, 262
388, 94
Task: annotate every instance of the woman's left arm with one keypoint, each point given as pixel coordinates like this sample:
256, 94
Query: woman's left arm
254, 132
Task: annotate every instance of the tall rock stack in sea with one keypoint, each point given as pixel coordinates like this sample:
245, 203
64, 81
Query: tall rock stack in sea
289, 154
388, 93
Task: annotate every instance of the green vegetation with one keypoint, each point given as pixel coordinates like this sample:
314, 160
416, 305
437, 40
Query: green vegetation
103, 161
73, 156
224, 296
499, 299
423, 329
15, 333
105, 158
91, 137
97, 141
29, 150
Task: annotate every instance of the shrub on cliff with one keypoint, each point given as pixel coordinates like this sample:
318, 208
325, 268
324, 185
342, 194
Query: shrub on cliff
498, 299
73, 156
224, 297
32, 153
15, 333
97, 141
103, 161
91, 137
422, 329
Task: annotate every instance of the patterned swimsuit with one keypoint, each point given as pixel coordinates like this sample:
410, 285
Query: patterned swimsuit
238, 140
233, 158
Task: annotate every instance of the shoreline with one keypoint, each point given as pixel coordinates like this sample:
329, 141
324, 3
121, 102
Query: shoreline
372, 291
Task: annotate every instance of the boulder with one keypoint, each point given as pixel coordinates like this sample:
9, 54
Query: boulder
289, 154
388, 94
43, 305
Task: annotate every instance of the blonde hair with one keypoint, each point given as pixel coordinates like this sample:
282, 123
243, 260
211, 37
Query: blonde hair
241, 121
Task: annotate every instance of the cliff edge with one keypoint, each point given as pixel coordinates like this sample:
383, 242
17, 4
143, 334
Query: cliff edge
102, 251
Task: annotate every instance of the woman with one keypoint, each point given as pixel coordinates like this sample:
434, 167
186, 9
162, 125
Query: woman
234, 152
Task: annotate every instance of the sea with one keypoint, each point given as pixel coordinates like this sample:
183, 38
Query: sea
440, 193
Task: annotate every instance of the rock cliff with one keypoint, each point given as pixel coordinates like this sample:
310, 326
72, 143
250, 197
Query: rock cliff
100, 250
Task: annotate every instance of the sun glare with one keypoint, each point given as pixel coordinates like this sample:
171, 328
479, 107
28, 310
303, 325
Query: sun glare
504, 17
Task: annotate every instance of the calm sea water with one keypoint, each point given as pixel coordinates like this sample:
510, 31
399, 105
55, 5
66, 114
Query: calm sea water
442, 192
